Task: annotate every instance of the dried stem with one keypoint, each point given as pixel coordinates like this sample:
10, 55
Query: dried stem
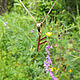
49, 12
31, 14
28, 11
38, 43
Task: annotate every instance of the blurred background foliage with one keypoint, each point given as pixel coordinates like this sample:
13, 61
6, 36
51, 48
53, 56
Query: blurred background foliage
19, 59
39, 7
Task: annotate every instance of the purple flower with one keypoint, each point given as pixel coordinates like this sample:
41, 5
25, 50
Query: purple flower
48, 63
32, 31
48, 46
54, 78
51, 74
5, 23
47, 51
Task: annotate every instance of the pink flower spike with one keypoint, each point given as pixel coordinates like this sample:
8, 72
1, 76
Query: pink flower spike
48, 63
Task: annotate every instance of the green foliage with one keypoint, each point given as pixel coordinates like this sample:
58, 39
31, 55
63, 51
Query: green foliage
19, 59
18, 56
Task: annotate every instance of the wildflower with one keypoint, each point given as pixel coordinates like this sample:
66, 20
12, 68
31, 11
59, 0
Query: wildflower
53, 68
48, 34
51, 28
74, 51
51, 74
32, 31
48, 63
70, 71
5, 23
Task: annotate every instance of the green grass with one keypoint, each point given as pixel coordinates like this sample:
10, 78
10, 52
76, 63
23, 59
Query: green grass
19, 59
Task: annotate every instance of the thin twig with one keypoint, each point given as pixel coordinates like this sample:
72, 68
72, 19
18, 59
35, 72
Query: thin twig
28, 11
49, 12
38, 43
43, 42
31, 14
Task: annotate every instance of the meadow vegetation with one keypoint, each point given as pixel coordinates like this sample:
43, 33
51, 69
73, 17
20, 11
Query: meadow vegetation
19, 59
